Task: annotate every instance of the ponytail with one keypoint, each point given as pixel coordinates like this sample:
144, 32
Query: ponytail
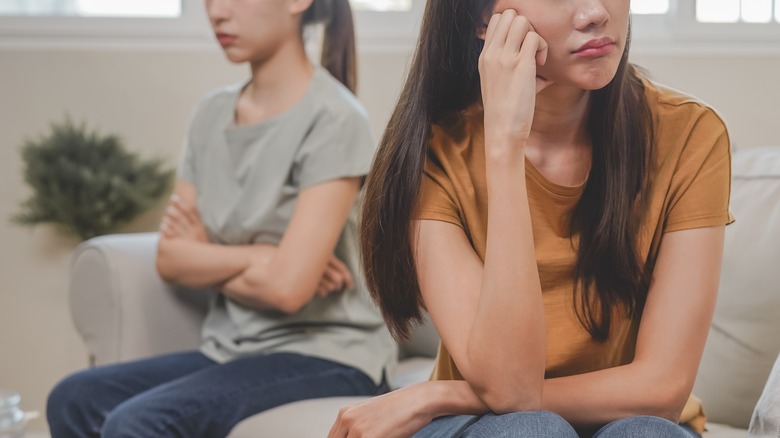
338, 47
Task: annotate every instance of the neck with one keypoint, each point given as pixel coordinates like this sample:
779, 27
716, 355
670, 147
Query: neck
559, 144
560, 117
278, 82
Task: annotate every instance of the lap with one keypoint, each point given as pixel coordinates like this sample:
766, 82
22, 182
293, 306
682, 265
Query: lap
211, 401
546, 424
536, 424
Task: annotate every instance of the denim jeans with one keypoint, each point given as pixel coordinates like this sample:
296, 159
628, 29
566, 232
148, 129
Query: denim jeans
542, 424
188, 394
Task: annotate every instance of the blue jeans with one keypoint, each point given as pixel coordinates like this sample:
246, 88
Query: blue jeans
542, 424
188, 394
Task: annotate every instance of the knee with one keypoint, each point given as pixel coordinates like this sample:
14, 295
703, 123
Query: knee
68, 407
131, 419
541, 424
643, 426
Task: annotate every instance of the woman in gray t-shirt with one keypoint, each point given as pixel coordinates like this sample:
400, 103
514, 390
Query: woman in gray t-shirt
263, 214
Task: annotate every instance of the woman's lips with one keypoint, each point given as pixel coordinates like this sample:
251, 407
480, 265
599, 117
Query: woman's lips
596, 48
226, 39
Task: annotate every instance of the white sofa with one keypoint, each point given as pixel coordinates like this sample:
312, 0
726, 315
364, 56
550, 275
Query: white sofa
124, 311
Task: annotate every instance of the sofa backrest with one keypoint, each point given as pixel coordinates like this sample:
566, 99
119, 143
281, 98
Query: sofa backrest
744, 339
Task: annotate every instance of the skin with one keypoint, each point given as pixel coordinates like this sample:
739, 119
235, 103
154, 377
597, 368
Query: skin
535, 94
287, 276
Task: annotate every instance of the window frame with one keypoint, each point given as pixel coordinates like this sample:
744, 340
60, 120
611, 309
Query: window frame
375, 30
679, 31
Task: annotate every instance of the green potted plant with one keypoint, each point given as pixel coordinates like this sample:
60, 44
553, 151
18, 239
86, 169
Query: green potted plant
87, 184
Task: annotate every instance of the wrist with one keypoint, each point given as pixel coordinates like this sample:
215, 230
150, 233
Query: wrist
431, 398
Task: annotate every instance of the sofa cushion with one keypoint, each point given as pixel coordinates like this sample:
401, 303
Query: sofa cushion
744, 338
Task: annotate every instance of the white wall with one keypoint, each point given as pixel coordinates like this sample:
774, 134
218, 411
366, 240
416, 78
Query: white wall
147, 97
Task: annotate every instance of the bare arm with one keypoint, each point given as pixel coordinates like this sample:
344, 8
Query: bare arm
184, 254
658, 382
289, 279
674, 328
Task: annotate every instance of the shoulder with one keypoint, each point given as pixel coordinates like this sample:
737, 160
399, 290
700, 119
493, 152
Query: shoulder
677, 113
333, 102
219, 101
686, 130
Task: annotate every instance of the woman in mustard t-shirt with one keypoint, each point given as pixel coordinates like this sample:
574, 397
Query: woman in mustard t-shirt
561, 219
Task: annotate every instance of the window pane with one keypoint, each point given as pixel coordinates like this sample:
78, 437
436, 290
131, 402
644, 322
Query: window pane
649, 6
93, 8
777, 11
37, 7
717, 11
757, 11
382, 5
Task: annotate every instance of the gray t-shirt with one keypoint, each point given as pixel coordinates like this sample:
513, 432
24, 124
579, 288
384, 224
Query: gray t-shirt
248, 179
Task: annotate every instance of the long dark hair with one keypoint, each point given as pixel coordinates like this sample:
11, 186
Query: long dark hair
338, 47
444, 79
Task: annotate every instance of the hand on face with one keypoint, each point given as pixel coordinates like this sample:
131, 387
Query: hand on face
508, 72
182, 221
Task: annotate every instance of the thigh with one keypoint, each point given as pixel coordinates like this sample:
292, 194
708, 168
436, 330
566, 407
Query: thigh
112, 384
535, 424
645, 426
212, 401
531, 424
451, 426
78, 405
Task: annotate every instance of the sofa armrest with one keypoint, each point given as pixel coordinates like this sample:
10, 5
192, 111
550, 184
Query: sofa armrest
122, 308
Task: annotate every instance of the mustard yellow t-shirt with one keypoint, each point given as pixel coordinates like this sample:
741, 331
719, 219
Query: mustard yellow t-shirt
690, 187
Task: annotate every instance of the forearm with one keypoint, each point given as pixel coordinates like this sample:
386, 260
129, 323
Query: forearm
251, 291
585, 400
273, 283
510, 312
200, 264
596, 398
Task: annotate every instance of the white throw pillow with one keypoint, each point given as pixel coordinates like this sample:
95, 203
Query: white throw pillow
745, 336
766, 417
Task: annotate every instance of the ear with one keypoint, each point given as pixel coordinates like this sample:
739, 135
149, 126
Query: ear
298, 7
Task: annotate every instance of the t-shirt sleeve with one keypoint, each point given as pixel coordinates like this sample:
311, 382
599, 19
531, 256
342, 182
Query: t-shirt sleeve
703, 178
437, 200
338, 145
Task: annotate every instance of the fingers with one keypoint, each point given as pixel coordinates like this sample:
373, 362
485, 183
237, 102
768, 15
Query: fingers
171, 227
188, 212
520, 27
330, 281
534, 49
491, 28
343, 271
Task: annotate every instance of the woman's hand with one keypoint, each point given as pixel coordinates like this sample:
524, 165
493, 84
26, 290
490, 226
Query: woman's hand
335, 278
509, 82
398, 414
182, 221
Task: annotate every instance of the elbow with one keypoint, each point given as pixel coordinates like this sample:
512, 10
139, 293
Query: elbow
665, 397
163, 265
671, 404
289, 305
503, 396
278, 294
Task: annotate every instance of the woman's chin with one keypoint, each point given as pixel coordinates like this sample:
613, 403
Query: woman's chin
235, 55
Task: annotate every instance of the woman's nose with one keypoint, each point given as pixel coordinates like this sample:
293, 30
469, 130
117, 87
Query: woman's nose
218, 10
590, 13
